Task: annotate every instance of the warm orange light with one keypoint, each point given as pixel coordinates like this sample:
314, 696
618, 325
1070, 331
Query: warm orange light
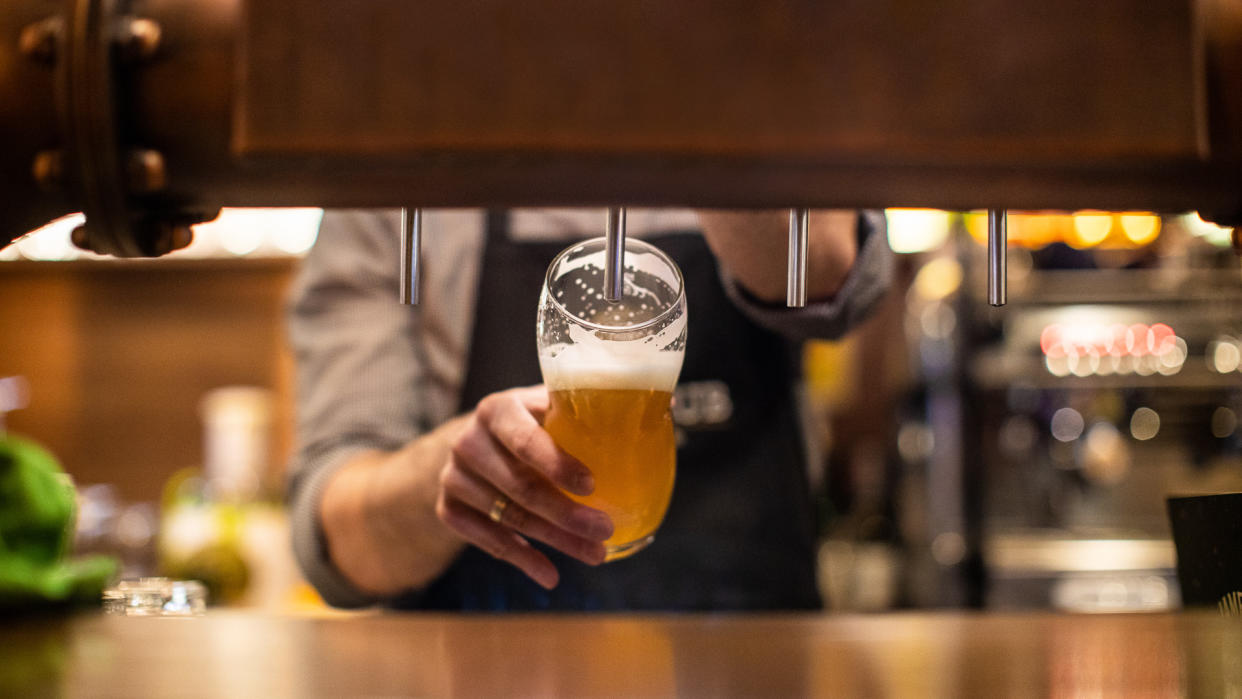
1082, 230
1140, 229
1091, 229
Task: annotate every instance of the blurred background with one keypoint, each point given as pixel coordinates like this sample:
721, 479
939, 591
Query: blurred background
962, 456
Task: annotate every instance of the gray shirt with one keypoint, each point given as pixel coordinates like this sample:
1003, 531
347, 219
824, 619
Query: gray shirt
374, 374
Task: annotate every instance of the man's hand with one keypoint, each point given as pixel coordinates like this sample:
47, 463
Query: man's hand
395, 521
504, 456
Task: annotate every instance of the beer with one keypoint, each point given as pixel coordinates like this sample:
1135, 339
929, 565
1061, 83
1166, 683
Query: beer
625, 436
610, 369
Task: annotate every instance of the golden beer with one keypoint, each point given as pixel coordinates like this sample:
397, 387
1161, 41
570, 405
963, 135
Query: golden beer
610, 367
625, 436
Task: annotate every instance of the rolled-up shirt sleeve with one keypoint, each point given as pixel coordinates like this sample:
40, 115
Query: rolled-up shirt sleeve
865, 285
358, 373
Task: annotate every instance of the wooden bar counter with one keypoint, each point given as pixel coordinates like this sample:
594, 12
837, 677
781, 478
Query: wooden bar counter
237, 654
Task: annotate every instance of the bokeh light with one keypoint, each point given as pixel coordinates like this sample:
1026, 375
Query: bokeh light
938, 279
1144, 424
1224, 422
52, 241
1212, 233
917, 230
1140, 229
1223, 355
1091, 228
1087, 349
246, 231
1067, 425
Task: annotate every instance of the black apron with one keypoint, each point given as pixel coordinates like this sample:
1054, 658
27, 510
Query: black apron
739, 533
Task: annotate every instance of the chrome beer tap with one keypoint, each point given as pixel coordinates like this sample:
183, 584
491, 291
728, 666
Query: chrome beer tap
997, 242
614, 255
411, 244
795, 287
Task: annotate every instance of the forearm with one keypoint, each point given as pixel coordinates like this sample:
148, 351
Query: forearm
378, 516
753, 247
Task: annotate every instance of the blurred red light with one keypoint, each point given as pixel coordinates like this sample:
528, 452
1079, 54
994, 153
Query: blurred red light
1117, 340
1050, 341
1136, 339
1118, 345
1162, 339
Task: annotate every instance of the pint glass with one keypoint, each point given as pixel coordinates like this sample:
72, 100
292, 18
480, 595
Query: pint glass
610, 369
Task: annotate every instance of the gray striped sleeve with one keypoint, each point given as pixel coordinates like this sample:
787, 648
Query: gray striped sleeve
358, 373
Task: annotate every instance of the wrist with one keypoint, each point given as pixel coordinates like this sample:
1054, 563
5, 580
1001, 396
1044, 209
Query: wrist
347, 515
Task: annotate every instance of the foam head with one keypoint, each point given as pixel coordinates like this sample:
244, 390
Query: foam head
603, 367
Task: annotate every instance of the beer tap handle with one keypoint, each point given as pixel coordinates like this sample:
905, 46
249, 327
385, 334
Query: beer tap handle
795, 289
411, 248
614, 255
997, 243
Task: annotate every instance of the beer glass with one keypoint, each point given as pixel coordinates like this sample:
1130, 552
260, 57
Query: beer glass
610, 369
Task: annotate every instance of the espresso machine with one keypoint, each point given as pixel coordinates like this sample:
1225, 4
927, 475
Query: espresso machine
150, 115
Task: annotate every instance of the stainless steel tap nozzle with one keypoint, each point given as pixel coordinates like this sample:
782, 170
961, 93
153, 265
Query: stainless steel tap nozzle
997, 243
411, 244
795, 289
614, 255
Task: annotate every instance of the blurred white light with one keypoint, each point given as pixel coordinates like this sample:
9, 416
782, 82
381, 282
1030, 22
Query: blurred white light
1225, 356
1224, 422
1174, 355
51, 242
1083, 364
1057, 366
1067, 424
1125, 365
244, 231
1214, 234
1144, 424
9, 252
917, 230
295, 230
237, 232
1146, 365
1109, 365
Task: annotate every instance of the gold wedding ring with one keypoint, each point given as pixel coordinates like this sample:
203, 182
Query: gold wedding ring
498, 509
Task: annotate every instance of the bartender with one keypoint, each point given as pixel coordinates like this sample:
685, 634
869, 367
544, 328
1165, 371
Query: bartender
413, 421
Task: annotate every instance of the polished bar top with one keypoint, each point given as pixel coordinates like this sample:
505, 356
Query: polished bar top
238, 654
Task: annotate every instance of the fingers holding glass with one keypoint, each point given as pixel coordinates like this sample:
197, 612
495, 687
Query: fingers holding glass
497, 541
506, 418
497, 490
481, 455
459, 485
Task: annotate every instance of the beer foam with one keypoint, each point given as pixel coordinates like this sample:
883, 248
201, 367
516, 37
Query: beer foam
622, 367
